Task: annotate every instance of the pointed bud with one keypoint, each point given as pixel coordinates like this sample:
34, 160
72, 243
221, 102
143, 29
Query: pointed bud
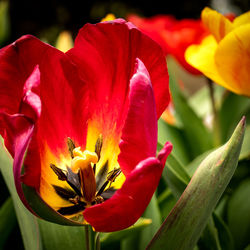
190, 215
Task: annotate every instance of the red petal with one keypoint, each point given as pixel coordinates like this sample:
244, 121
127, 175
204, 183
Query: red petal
129, 202
139, 135
63, 96
17, 61
20, 130
154, 27
183, 34
105, 54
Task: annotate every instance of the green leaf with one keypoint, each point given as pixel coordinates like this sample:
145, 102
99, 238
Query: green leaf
167, 132
225, 236
56, 236
239, 215
7, 221
198, 137
4, 21
232, 109
152, 212
209, 238
27, 222
200, 101
190, 215
166, 202
175, 175
107, 238
245, 150
130, 243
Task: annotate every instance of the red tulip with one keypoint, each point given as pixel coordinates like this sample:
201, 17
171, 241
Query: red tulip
81, 126
173, 35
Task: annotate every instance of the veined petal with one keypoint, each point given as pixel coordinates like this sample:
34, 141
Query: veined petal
129, 202
242, 19
233, 61
17, 61
217, 24
201, 57
140, 129
113, 47
58, 82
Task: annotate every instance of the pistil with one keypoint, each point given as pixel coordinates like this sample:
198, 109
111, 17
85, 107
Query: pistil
81, 164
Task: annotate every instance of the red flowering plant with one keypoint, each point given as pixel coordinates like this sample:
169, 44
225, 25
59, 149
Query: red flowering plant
173, 35
81, 126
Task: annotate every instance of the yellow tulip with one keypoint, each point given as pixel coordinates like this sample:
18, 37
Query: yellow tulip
224, 55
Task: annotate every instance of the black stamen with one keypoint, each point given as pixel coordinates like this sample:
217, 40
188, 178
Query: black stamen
72, 209
60, 174
64, 193
102, 188
98, 146
74, 181
71, 146
107, 194
102, 176
112, 175
110, 178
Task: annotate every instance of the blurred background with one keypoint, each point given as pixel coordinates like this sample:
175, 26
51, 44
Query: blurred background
47, 18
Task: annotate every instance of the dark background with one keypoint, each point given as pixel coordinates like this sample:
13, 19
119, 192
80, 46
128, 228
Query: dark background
46, 18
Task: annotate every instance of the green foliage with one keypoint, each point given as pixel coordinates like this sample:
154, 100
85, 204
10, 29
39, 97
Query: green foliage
27, 222
107, 238
56, 236
198, 137
239, 214
191, 213
4, 21
7, 221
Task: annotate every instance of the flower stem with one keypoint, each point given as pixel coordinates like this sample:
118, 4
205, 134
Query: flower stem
92, 239
97, 242
87, 241
216, 125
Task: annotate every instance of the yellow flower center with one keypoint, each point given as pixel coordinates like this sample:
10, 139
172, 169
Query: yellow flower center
87, 188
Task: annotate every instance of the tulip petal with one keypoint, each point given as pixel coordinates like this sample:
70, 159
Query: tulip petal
201, 57
154, 27
233, 61
140, 129
20, 130
181, 35
129, 202
17, 61
111, 64
217, 24
242, 19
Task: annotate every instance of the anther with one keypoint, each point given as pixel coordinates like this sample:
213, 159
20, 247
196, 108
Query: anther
99, 199
98, 146
71, 146
112, 175
60, 174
